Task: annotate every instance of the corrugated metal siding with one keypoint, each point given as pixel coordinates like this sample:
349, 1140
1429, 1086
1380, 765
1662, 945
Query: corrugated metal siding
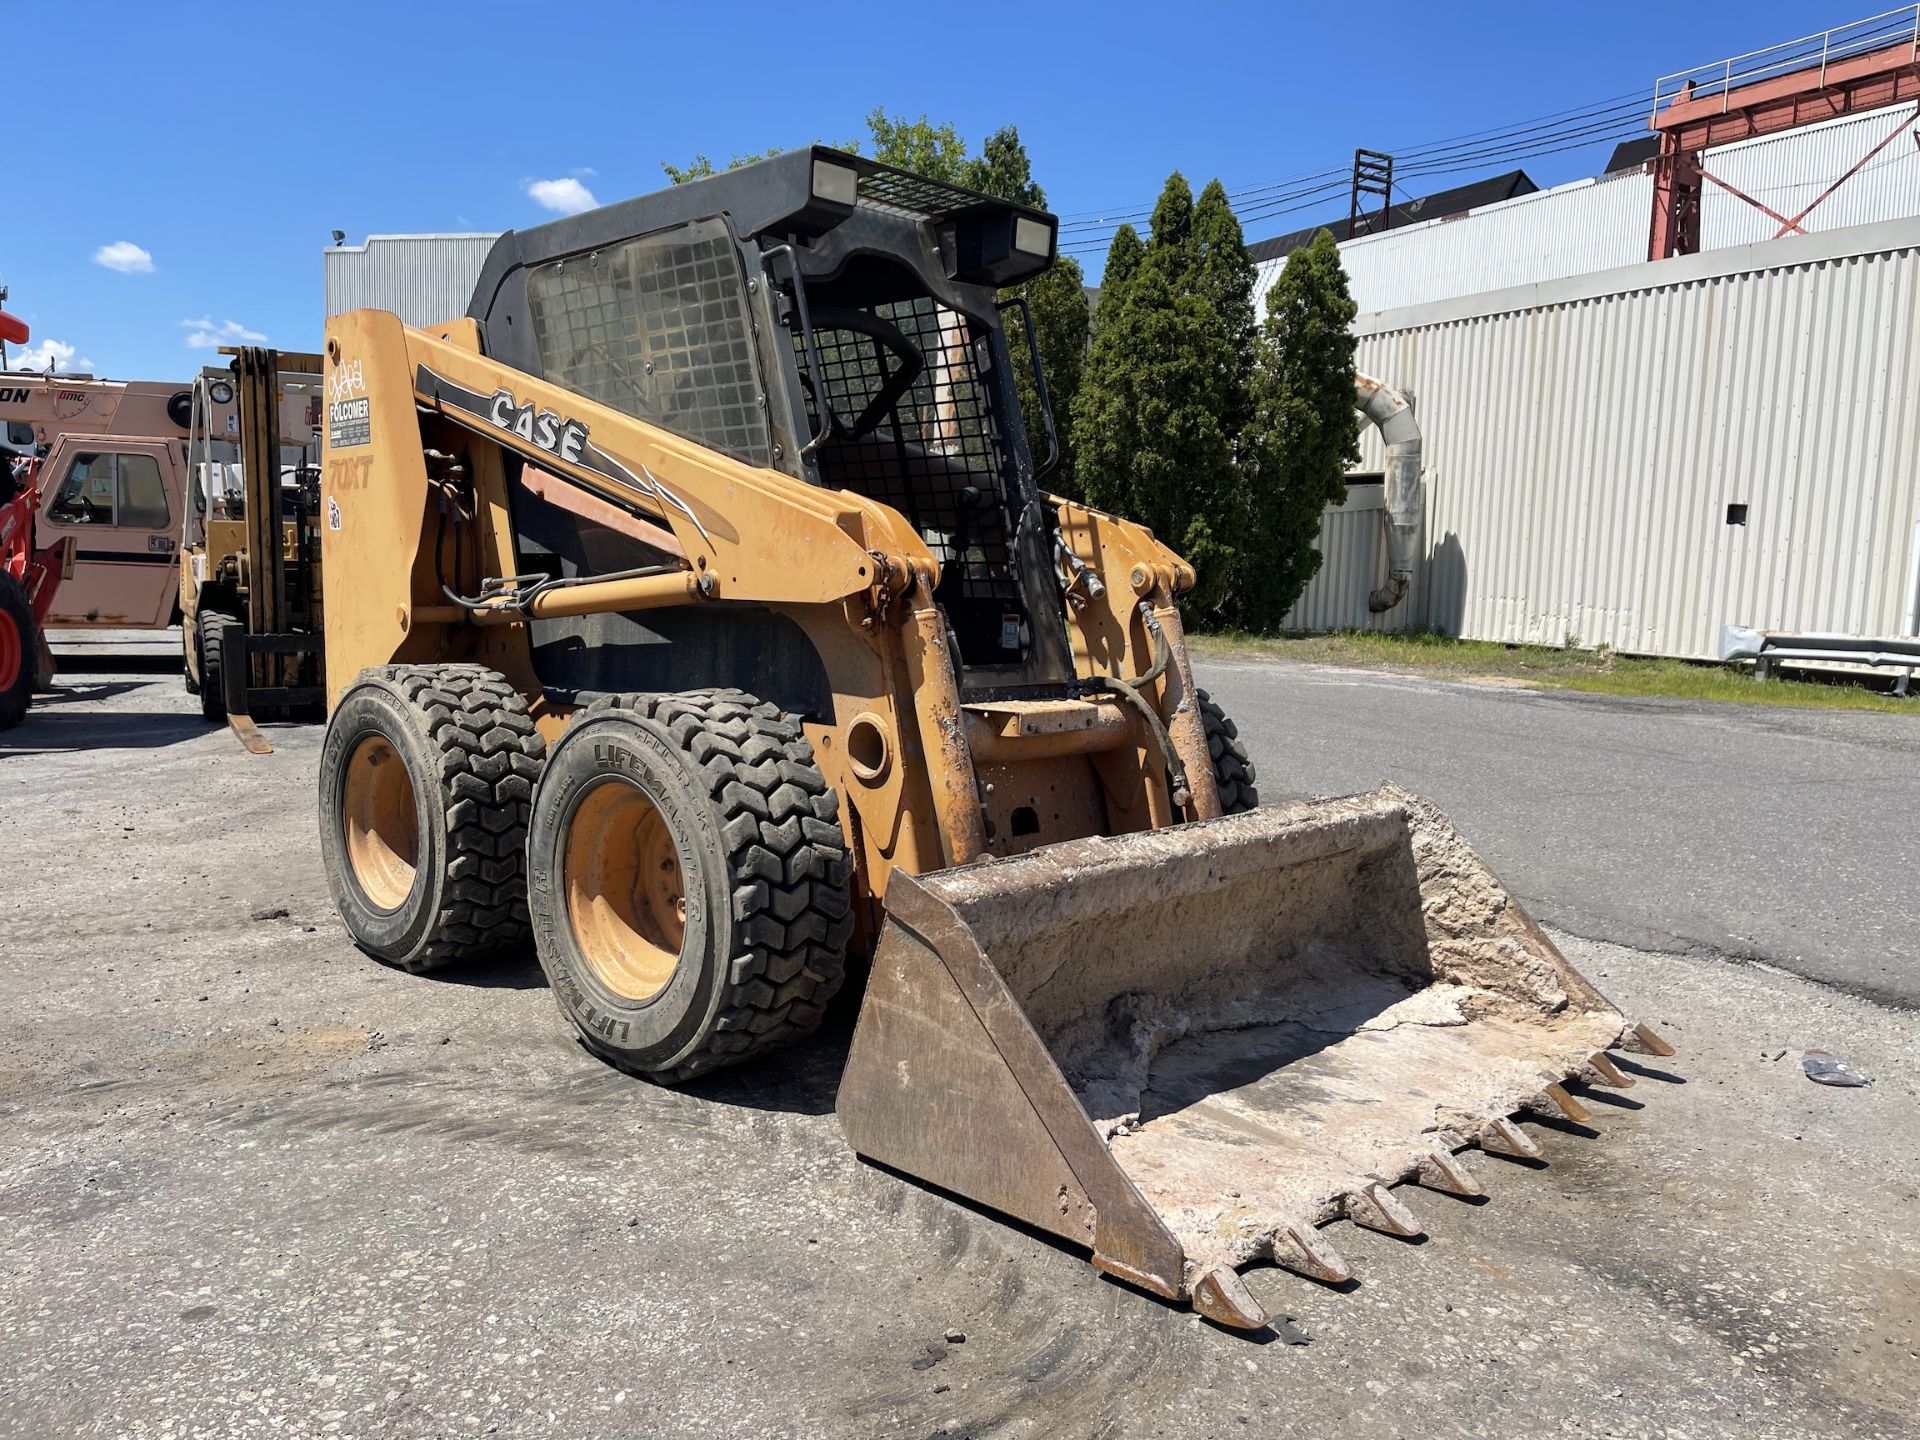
1570, 230
1788, 172
1353, 563
424, 279
1583, 441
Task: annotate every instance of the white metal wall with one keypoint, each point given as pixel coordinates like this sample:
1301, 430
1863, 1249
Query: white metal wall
1569, 230
1353, 564
1787, 173
424, 279
1583, 440
1601, 224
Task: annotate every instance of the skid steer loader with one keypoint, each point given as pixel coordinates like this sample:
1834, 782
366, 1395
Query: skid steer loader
695, 611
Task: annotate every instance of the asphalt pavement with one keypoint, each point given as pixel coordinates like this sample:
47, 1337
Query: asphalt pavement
253, 1183
1788, 837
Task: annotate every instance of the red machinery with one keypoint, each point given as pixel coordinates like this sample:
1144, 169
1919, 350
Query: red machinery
28, 577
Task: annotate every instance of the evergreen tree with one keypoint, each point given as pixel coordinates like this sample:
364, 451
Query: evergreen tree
1124, 254
1057, 298
1304, 431
1155, 427
1171, 228
1003, 170
1221, 273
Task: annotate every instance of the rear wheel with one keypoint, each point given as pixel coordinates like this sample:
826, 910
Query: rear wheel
1233, 772
426, 776
688, 880
211, 629
19, 652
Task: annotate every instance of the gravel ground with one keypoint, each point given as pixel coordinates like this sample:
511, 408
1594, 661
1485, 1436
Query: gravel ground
256, 1184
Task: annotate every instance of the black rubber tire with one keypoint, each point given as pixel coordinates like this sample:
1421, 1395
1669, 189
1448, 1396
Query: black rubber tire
1233, 771
764, 867
17, 615
211, 629
473, 757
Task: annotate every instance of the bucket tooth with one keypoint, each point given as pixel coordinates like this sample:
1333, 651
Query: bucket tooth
1503, 1137
1377, 1208
1644, 1040
1305, 1251
1441, 1170
1222, 1296
1602, 1071
1563, 1102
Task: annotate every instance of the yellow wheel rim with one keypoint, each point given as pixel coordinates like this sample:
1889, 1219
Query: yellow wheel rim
626, 900
383, 835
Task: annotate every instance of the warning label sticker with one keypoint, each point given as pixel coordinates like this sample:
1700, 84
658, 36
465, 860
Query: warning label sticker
348, 423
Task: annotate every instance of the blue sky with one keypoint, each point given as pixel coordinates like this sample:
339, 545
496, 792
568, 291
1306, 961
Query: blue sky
176, 169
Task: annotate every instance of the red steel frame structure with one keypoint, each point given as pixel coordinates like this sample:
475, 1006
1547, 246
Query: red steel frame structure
1721, 104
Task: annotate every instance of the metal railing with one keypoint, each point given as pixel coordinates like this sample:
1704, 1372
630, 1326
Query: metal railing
1809, 52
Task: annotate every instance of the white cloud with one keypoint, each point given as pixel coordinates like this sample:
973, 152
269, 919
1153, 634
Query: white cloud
564, 197
124, 256
584, 172
207, 333
49, 354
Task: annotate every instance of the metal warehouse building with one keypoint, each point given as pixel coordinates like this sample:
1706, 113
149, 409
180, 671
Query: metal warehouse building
1637, 457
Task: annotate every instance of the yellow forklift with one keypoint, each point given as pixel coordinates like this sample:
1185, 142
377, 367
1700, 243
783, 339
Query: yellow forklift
250, 595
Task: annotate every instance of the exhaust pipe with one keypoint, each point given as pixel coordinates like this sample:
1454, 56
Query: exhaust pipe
1392, 414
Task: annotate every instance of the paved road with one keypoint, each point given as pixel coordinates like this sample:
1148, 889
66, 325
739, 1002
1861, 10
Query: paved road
255, 1184
1786, 836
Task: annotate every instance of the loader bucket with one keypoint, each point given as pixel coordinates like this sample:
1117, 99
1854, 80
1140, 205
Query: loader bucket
1186, 1049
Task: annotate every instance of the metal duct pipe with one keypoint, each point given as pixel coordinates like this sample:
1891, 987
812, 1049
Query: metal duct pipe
1392, 414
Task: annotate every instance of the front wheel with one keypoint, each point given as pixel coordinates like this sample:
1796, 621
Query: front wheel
1233, 772
426, 774
211, 629
688, 880
19, 652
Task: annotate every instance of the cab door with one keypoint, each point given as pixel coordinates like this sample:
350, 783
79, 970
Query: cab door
120, 501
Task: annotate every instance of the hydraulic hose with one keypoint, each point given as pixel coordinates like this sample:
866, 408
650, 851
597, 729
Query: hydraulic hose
1129, 692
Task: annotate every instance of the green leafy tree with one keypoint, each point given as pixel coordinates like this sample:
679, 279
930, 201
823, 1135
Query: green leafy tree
700, 166
1304, 431
1154, 428
935, 151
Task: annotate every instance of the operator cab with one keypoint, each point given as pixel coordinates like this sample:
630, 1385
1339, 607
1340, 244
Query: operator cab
818, 314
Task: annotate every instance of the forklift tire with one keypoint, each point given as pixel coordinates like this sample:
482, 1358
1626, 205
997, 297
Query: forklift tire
688, 881
1233, 772
19, 652
211, 629
426, 776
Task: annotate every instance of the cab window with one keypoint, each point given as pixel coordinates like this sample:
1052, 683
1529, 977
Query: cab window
142, 496
86, 492
110, 489
659, 328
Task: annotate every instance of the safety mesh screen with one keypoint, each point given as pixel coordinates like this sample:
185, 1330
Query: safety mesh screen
658, 328
936, 443
893, 192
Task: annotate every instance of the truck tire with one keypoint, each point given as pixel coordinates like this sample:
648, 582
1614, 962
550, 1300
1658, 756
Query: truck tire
19, 652
688, 881
1233, 770
426, 776
210, 629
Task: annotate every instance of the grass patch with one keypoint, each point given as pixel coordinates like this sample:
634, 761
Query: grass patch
1419, 652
